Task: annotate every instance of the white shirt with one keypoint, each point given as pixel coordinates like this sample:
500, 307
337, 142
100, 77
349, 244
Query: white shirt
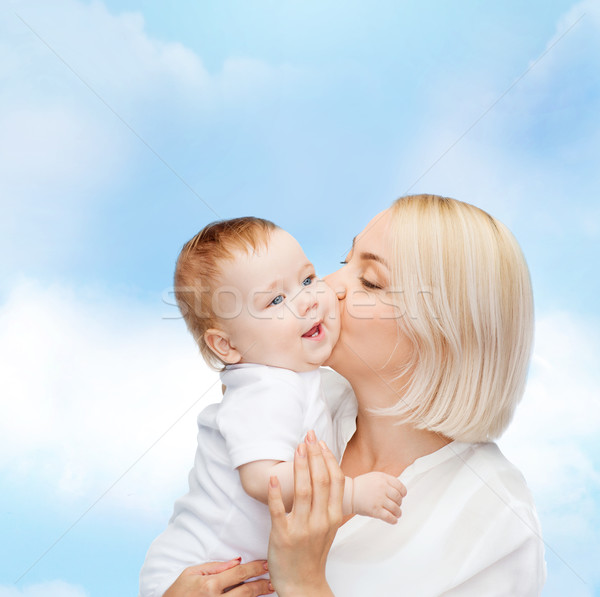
468, 528
265, 413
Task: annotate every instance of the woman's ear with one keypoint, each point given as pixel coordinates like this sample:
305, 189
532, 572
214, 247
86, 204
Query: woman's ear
218, 342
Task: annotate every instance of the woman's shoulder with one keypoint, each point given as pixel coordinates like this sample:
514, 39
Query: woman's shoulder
487, 491
496, 521
487, 467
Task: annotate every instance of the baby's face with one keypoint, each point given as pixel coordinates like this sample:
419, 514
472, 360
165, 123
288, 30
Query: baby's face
274, 308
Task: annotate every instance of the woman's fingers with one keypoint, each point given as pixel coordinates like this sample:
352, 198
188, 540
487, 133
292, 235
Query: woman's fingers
338, 481
252, 589
302, 485
213, 567
239, 574
275, 502
318, 474
300, 541
215, 578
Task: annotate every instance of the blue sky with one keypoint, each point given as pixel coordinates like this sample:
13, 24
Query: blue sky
126, 126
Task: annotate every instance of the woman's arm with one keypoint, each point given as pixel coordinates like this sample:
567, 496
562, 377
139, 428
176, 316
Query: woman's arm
299, 542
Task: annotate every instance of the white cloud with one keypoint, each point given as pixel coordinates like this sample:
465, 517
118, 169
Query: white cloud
554, 442
62, 151
53, 588
530, 147
588, 9
90, 382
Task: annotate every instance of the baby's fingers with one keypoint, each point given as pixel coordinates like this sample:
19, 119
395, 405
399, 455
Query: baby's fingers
393, 508
383, 514
395, 490
398, 486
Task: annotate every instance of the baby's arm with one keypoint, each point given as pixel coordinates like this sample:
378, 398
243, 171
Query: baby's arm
255, 479
376, 494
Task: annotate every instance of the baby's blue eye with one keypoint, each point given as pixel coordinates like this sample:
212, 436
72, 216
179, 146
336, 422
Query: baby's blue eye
277, 300
307, 281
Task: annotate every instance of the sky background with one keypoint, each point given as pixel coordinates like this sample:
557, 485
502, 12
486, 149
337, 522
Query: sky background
127, 126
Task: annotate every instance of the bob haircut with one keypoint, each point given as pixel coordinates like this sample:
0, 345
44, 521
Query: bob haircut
199, 266
462, 287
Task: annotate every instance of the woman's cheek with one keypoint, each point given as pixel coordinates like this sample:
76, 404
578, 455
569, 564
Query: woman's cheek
361, 306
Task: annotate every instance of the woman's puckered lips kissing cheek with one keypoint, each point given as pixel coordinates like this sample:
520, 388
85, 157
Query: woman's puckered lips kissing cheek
370, 338
275, 309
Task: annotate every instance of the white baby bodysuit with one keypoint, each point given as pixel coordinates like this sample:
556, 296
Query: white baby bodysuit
264, 414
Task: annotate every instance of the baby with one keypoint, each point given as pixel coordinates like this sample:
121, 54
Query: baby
252, 301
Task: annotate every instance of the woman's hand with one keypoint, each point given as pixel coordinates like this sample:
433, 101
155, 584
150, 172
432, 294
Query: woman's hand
208, 580
299, 542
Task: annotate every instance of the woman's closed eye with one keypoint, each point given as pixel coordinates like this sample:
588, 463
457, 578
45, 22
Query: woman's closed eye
369, 285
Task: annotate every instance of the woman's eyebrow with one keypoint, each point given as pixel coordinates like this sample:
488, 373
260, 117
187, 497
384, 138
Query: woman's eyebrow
370, 256
373, 257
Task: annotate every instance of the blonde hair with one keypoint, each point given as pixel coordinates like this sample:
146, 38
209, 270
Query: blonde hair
463, 287
198, 268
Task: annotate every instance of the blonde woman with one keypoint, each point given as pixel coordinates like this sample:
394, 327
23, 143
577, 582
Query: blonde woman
436, 334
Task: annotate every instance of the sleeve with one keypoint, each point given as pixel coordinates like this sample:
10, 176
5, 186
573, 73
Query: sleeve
338, 394
341, 403
508, 560
261, 416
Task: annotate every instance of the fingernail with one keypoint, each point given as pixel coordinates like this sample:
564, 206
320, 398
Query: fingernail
310, 437
266, 566
271, 587
239, 559
301, 450
323, 445
273, 481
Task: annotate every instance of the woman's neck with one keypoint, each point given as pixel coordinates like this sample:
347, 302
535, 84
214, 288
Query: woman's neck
379, 444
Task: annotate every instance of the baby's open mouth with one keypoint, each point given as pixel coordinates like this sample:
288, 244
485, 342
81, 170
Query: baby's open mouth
313, 332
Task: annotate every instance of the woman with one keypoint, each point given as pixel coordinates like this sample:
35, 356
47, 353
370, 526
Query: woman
437, 324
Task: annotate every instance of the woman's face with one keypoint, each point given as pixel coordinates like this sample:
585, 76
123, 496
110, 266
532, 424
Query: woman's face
371, 344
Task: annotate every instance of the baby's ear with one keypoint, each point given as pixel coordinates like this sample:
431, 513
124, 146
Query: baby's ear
218, 342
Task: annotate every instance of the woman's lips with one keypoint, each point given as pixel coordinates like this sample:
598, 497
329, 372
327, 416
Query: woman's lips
315, 333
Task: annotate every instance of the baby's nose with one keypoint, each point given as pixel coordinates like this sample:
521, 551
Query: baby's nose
308, 299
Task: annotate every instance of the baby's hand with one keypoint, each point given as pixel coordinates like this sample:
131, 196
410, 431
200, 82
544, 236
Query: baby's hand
378, 495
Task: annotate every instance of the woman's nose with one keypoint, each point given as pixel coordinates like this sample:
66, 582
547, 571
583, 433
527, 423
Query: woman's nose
336, 282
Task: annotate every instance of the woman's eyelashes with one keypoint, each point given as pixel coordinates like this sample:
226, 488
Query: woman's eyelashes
368, 284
